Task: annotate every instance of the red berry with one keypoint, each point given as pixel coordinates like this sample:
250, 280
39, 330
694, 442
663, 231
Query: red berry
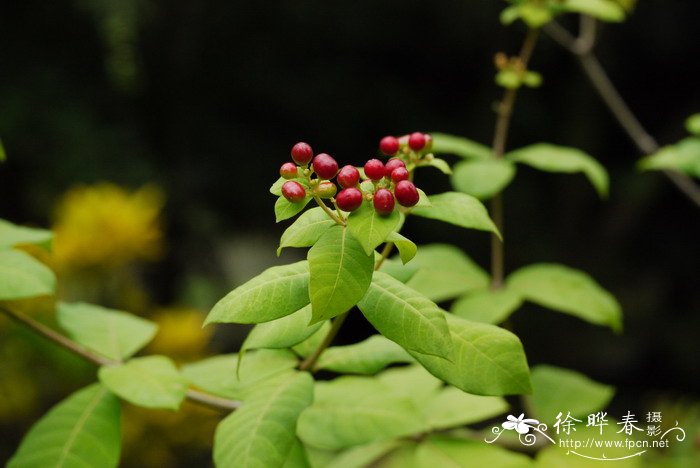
348, 176
288, 170
399, 174
416, 141
406, 193
302, 153
383, 202
326, 189
325, 166
374, 169
293, 191
349, 199
389, 145
392, 164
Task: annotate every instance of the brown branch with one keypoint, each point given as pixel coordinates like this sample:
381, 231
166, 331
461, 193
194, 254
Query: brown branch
582, 48
500, 137
193, 395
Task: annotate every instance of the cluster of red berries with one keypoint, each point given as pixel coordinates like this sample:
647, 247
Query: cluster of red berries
389, 182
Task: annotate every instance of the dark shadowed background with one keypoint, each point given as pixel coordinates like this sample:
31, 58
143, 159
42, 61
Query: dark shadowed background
205, 98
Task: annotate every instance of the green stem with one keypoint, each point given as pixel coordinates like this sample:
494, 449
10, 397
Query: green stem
329, 212
500, 137
40, 329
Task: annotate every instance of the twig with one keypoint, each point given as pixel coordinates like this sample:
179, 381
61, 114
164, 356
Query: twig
505, 112
582, 48
193, 395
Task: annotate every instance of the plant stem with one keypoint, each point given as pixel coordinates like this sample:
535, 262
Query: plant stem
195, 396
309, 363
500, 137
582, 48
328, 211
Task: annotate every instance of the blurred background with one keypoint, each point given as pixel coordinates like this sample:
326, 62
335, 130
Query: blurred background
156, 127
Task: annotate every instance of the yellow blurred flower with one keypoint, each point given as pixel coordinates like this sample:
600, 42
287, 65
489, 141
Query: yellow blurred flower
180, 333
103, 225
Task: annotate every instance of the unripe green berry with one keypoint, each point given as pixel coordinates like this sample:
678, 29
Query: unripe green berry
326, 189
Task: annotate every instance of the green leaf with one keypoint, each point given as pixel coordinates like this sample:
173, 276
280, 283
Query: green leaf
362, 456
366, 357
406, 317
112, 333
371, 228
21, 276
306, 230
535, 15
423, 201
407, 249
684, 156
297, 457
452, 407
81, 431
459, 209
444, 451
309, 345
445, 272
275, 293
3, 155
555, 389
459, 146
413, 382
284, 332
398, 270
488, 360
351, 411
553, 158
510, 14
692, 124
605, 10
12, 235
439, 164
341, 272
284, 209
482, 179
151, 382
487, 306
218, 374
261, 432
567, 290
